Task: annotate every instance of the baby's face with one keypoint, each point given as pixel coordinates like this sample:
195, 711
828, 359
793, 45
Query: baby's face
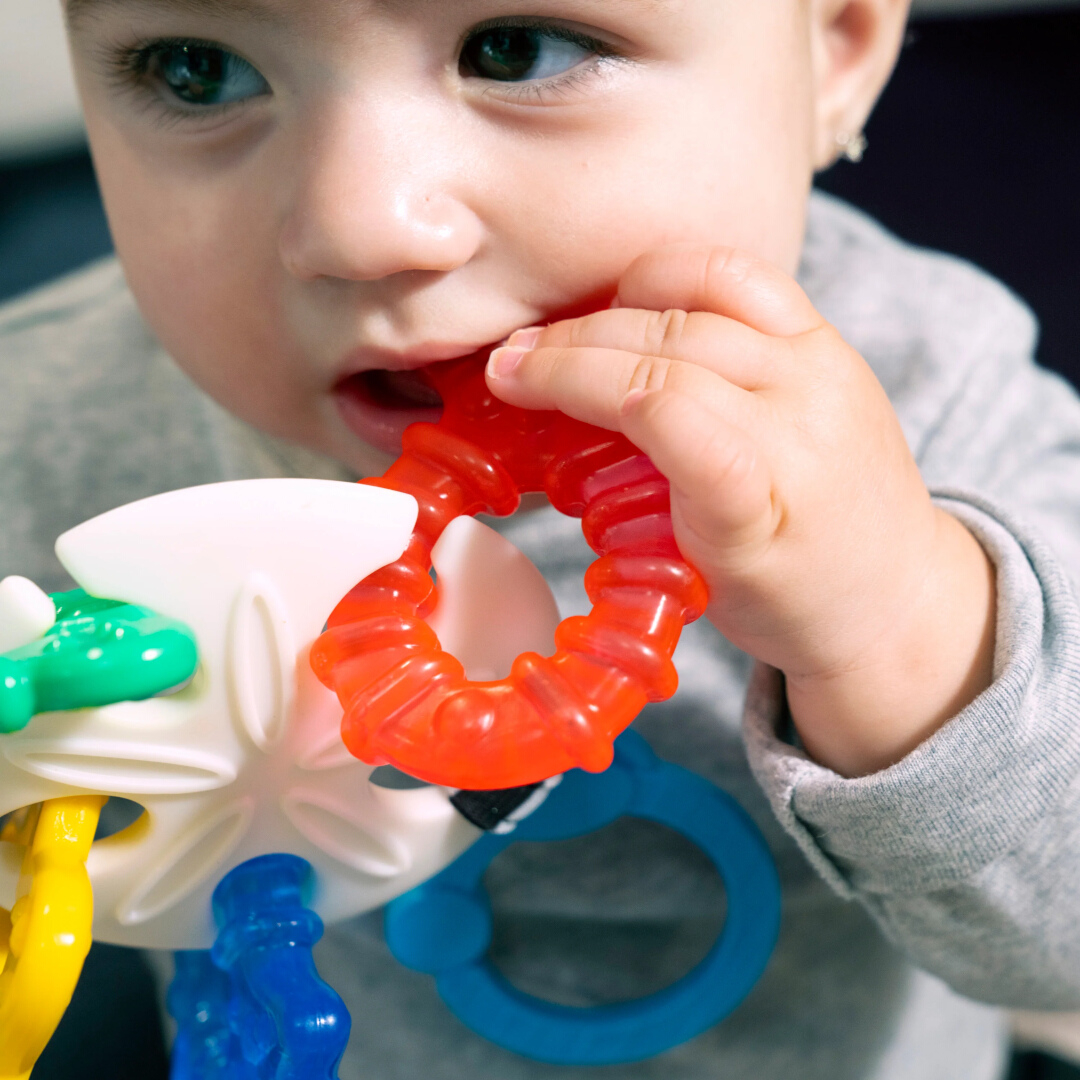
313, 198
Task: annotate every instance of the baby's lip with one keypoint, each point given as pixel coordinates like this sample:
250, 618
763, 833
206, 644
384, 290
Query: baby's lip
379, 403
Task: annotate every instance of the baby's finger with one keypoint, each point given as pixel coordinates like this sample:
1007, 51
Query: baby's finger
594, 385
730, 349
721, 483
721, 280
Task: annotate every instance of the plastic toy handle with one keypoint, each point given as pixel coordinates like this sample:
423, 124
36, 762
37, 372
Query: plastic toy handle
46, 936
255, 1006
444, 926
98, 652
198, 1000
409, 704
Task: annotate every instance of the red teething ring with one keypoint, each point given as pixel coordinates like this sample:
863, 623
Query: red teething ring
407, 703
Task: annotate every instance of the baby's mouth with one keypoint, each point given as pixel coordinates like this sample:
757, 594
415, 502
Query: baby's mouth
397, 389
378, 405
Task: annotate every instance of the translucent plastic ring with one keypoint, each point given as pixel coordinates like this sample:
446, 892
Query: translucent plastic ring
408, 703
443, 927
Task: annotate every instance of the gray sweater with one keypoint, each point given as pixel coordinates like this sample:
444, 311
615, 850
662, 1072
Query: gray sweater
915, 900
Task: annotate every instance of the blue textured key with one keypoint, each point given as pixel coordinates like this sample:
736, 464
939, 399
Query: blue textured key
254, 1007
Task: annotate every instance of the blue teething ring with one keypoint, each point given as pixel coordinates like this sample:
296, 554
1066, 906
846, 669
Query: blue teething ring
443, 927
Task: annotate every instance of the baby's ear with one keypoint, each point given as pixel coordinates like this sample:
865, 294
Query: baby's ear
854, 45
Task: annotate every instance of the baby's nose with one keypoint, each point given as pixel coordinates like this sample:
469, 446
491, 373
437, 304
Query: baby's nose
371, 199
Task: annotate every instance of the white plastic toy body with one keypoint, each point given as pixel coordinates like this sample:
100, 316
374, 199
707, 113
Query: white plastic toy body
247, 759
26, 613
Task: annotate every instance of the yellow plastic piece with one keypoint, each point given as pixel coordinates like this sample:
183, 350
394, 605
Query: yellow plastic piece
46, 936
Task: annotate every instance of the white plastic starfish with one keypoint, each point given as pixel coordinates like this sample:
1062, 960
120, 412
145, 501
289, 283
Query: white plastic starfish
247, 759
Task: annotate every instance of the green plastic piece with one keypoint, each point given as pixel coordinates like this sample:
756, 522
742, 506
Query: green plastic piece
75, 604
98, 652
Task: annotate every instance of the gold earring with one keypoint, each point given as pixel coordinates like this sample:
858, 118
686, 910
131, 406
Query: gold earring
852, 147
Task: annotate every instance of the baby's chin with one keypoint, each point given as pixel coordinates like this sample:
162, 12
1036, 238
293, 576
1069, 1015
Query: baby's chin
379, 405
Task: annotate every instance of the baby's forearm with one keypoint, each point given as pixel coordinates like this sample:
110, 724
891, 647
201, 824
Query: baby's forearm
923, 671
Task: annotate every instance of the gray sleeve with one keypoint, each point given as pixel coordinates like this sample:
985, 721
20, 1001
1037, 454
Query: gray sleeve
967, 852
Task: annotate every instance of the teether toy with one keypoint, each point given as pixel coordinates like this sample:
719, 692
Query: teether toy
46, 936
199, 1001
409, 702
443, 927
238, 761
246, 759
255, 1006
26, 613
98, 652
239, 764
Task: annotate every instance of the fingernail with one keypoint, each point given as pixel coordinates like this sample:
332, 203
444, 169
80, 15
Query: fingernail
503, 361
526, 338
629, 403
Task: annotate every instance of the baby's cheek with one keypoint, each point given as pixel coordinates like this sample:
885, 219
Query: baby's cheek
219, 324
205, 281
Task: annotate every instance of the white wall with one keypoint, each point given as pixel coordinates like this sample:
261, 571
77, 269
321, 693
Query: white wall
38, 109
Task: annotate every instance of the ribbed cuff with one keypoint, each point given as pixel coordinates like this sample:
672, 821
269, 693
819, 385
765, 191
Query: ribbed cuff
972, 791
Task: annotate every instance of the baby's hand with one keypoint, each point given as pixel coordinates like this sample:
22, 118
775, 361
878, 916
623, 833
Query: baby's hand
793, 492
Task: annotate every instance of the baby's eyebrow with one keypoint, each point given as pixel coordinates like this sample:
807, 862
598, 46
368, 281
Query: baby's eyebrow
79, 11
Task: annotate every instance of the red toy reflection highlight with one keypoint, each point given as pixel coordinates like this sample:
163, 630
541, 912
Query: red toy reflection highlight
407, 703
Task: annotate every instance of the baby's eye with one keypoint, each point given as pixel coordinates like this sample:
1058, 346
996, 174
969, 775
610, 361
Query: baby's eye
203, 74
523, 54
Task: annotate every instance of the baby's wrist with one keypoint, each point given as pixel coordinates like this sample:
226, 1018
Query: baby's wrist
927, 667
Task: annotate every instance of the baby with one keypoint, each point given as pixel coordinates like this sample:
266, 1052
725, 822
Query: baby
312, 199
